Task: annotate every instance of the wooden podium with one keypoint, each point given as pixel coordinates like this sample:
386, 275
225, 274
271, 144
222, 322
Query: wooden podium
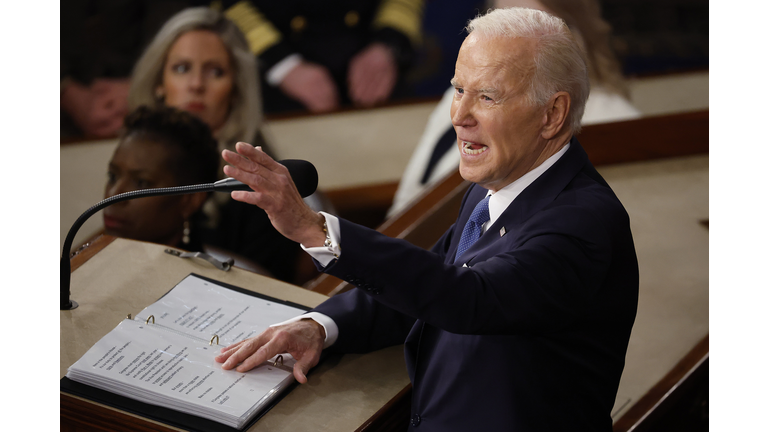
115, 277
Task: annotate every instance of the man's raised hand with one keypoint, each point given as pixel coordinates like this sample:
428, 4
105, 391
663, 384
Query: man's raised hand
274, 192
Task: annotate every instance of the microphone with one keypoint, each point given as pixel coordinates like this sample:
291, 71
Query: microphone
303, 174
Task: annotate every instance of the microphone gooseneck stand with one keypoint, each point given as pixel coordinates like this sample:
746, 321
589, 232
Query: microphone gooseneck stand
65, 302
303, 173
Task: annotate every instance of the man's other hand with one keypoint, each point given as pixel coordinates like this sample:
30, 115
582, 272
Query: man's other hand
372, 75
302, 339
312, 85
98, 110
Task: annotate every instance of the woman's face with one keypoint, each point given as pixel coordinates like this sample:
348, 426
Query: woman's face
198, 77
141, 164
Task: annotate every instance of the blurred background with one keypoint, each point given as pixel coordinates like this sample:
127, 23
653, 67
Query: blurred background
105, 38
296, 94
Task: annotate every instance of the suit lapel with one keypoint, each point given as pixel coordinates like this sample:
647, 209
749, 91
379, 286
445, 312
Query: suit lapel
536, 196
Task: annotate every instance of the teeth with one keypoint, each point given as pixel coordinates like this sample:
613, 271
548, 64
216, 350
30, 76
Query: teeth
468, 150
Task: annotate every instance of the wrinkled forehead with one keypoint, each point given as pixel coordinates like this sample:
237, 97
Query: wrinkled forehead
484, 60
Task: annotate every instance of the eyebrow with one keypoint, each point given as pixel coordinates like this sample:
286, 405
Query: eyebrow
490, 90
216, 62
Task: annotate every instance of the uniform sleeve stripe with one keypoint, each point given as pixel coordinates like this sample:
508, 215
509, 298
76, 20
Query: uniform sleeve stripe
259, 32
401, 15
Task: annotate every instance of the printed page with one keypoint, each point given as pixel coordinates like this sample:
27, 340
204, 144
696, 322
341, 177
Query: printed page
162, 368
203, 309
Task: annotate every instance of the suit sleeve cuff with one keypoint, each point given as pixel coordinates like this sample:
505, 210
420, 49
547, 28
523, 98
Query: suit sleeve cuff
331, 330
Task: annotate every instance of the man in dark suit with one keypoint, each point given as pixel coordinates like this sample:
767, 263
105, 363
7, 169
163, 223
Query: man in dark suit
519, 318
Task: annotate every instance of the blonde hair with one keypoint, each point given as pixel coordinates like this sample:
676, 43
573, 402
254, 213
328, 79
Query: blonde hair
245, 114
584, 19
560, 63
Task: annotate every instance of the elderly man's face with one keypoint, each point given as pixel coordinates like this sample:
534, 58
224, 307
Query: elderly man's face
499, 134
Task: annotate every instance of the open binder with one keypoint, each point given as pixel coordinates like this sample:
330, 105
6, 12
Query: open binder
160, 364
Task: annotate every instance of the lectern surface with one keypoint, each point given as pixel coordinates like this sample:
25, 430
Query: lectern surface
126, 276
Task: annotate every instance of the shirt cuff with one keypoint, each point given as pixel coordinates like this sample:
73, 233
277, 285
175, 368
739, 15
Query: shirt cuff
325, 254
331, 330
278, 72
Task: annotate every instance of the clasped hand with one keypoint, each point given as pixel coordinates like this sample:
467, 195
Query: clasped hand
302, 339
98, 109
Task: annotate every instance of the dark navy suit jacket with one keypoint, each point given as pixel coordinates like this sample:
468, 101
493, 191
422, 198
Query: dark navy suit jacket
531, 335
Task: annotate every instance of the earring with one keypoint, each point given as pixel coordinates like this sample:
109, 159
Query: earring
159, 94
186, 233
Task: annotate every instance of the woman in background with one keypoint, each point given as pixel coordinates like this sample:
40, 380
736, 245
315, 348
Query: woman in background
161, 147
200, 62
436, 156
165, 147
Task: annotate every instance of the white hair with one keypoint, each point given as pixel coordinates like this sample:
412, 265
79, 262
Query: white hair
559, 61
245, 115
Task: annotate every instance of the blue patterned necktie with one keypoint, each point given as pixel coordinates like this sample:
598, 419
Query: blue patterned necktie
474, 226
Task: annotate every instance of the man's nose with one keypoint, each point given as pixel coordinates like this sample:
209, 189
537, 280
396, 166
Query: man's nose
462, 112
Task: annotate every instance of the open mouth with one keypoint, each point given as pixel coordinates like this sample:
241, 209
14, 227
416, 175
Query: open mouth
471, 148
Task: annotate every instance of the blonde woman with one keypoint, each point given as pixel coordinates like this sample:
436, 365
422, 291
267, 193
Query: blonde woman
200, 62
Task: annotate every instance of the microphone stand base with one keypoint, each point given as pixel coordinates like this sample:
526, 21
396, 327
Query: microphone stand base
72, 305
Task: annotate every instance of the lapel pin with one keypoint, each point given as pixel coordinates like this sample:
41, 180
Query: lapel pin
502, 231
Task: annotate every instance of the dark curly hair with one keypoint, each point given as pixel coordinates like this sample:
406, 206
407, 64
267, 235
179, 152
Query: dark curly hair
197, 159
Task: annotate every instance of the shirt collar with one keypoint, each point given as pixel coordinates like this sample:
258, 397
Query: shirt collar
502, 198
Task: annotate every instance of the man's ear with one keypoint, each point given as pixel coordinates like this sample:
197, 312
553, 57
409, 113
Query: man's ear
556, 116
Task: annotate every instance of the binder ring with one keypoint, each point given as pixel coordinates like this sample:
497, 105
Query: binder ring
280, 358
129, 316
214, 337
152, 317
